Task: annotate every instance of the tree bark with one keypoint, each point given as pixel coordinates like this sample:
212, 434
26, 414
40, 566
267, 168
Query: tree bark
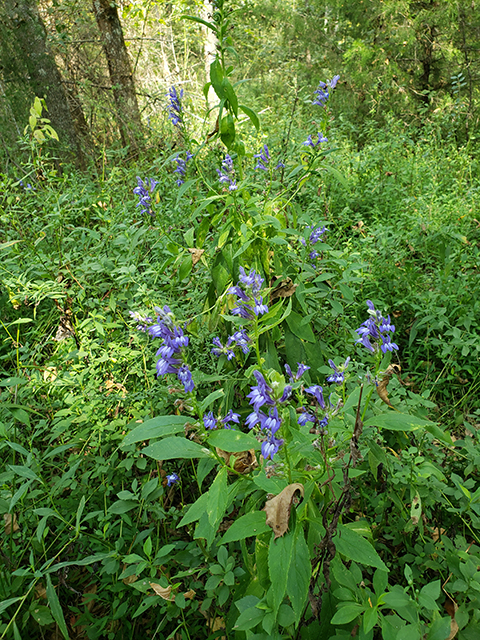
42, 74
120, 72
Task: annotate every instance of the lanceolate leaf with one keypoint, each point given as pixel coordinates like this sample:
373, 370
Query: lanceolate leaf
175, 447
354, 547
232, 441
394, 421
56, 608
251, 524
299, 574
158, 427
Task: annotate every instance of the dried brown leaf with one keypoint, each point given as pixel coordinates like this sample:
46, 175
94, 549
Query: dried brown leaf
283, 289
245, 461
196, 255
40, 591
10, 523
278, 508
382, 385
130, 579
190, 594
217, 624
163, 592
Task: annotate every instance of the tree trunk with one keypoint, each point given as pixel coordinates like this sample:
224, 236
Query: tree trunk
120, 72
43, 75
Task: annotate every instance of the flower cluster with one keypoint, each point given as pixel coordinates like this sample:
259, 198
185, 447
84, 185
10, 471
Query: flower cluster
312, 413
260, 395
323, 93
211, 422
174, 341
181, 167
315, 236
143, 190
338, 375
249, 302
227, 173
175, 106
263, 159
310, 143
376, 329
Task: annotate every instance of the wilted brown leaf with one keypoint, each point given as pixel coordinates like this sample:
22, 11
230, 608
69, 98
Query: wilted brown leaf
40, 591
163, 592
278, 508
382, 385
190, 594
87, 596
196, 255
10, 523
130, 579
245, 461
217, 624
283, 289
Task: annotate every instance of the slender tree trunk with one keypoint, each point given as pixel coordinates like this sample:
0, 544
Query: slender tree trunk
43, 75
120, 71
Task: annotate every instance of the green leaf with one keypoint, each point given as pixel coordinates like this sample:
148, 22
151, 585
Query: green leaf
158, 427
122, 506
231, 95
57, 611
303, 331
6, 603
336, 174
175, 447
250, 113
249, 619
347, 613
195, 512
370, 619
251, 524
396, 598
227, 130
440, 629
23, 472
209, 25
232, 441
354, 547
394, 421
81, 507
216, 78
217, 497
279, 561
210, 399
299, 574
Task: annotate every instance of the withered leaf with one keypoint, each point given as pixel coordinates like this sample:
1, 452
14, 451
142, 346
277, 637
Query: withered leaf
278, 509
163, 592
283, 289
382, 385
196, 255
190, 594
11, 524
245, 461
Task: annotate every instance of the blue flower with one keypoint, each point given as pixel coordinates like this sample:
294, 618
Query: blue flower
376, 329
230, 417
300, 371
317, 392
338, 375
185, 376
260, 393
305, 417
333, 82
271, 446
272, 422
219, 349
181, 169
172, 479
175, 106
242, 340
143, 191
227, 173
209, 420
259, 308
263, 159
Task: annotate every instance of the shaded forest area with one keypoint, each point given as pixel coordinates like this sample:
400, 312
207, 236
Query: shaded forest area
104, 68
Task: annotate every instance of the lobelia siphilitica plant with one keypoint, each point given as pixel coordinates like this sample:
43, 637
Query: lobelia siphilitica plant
283, 455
